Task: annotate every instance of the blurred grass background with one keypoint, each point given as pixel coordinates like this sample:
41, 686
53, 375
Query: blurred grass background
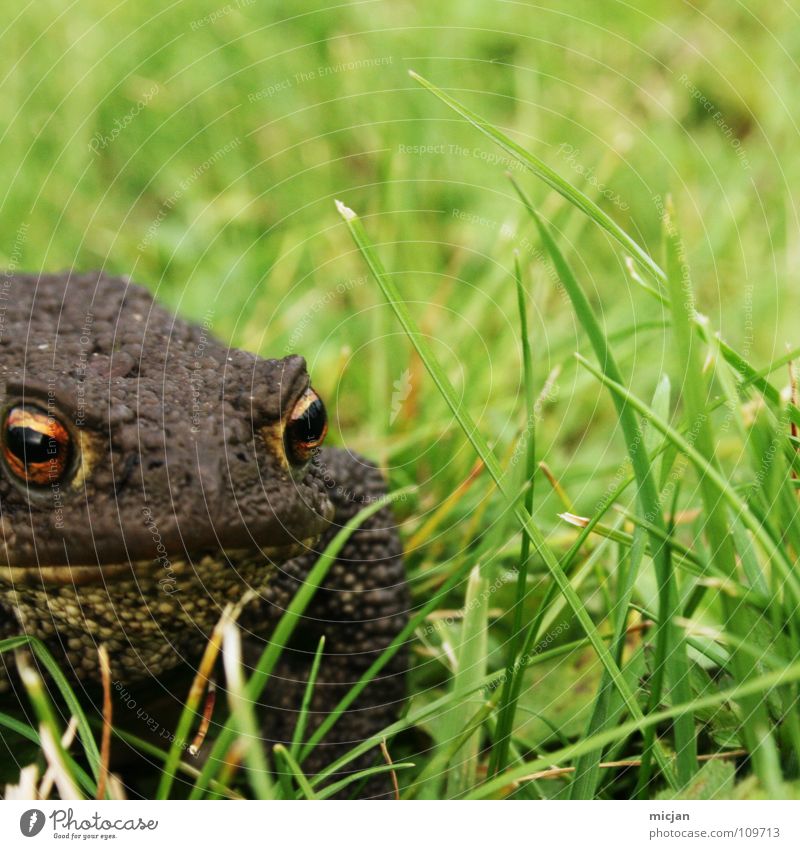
198, 148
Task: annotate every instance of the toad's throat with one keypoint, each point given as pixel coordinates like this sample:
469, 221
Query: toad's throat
150, 616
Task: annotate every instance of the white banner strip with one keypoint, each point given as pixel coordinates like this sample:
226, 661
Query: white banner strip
401, 825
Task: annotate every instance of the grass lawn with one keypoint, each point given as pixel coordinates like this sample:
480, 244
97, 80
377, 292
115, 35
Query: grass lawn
564, 328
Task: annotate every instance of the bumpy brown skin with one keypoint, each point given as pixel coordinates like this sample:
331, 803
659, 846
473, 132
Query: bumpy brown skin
362, 607
180, 499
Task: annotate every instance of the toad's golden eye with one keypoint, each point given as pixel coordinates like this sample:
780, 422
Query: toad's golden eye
37, 448
306, 427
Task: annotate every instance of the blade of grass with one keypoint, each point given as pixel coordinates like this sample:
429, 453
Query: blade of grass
718, 535
744, 547
588, 526
505, 716
740, 507
11, 643
547, 175
788, 674
587, 769
760, 684
425, 783
695, 565
295, 771
338, 786
670, 643
52, 668
567, 560
661, 404
471, 667
489, 683
19, 727
602, 219
481, 447
308, 695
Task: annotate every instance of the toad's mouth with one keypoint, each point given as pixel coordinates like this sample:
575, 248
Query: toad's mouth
103, 546
164, 569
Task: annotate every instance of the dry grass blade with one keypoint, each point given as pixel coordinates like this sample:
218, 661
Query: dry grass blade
199, 683
46, 785
52, 749
388, 758
26, 787
205, 720
105, 742
243, 713
560, 771
64, 773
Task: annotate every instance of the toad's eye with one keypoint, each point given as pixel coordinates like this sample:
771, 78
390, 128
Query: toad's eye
37, 448
306, 427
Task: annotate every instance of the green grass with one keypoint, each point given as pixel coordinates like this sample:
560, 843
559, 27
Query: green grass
569, 317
